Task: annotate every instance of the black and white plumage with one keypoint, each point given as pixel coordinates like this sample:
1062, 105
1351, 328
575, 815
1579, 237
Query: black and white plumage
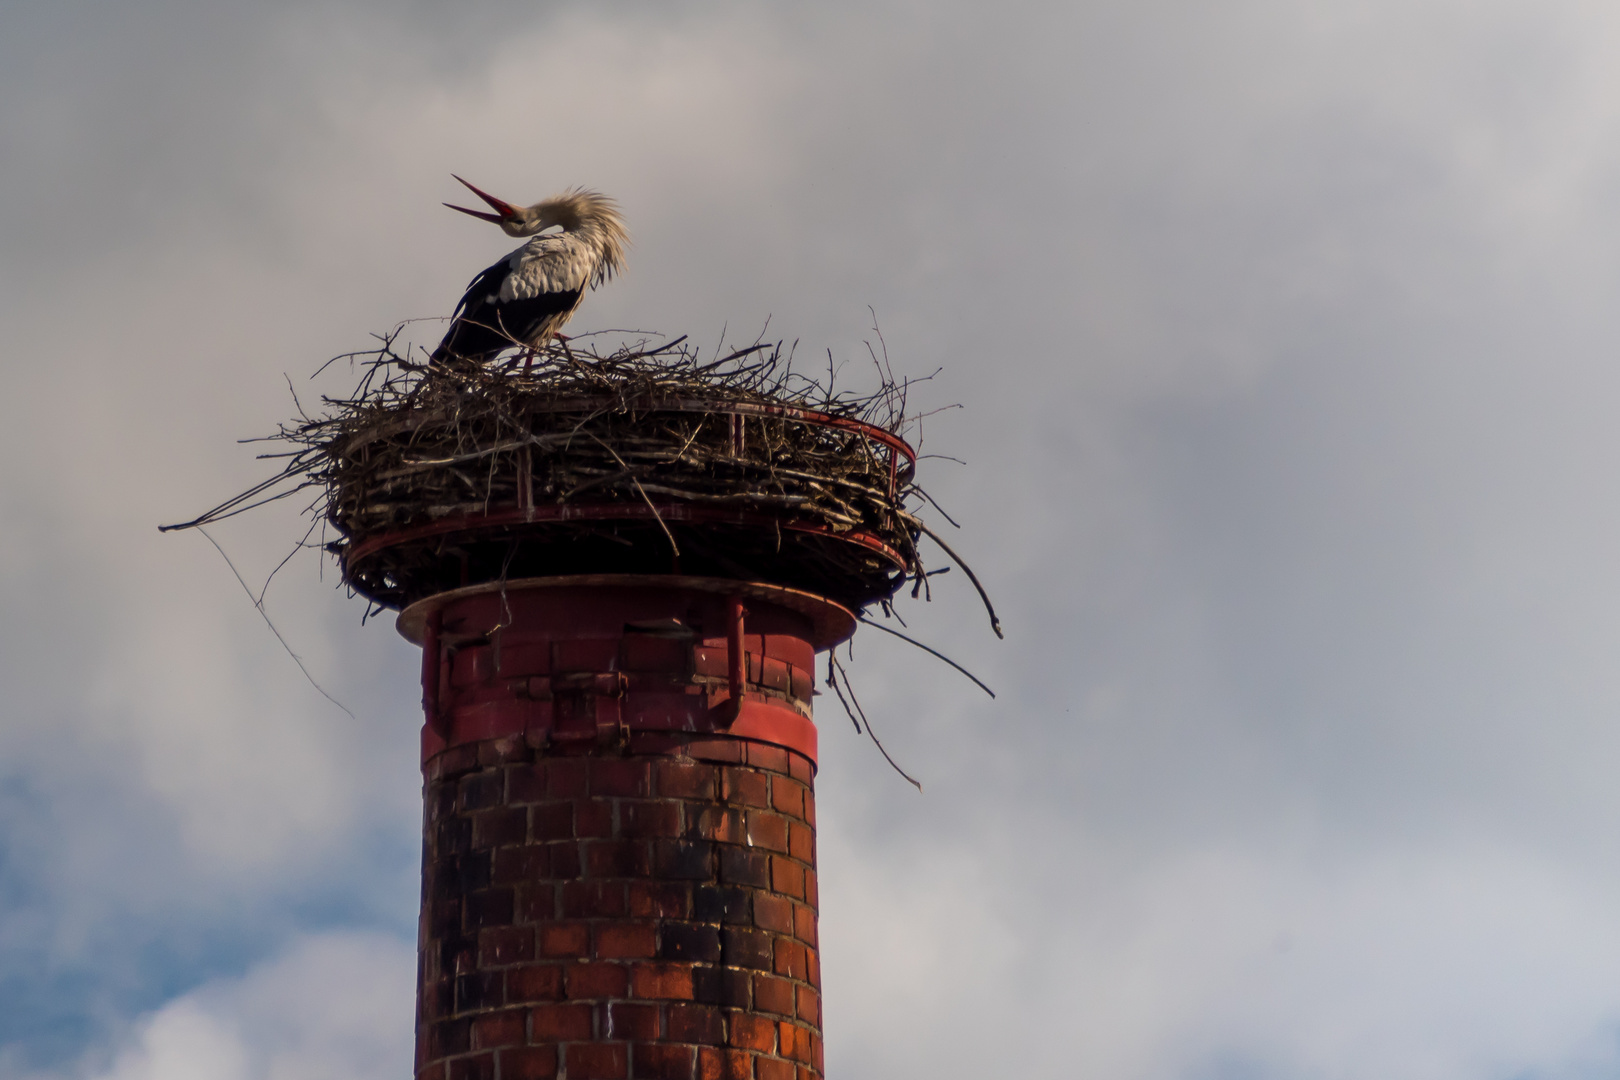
526, 297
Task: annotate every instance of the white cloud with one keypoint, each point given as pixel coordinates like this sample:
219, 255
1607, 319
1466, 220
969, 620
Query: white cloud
1076, 956
333, 1007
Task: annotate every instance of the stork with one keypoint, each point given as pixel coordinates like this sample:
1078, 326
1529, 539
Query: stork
526, 297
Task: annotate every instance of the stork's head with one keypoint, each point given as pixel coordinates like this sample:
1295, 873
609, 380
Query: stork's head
513, 220
571, 210
577, 211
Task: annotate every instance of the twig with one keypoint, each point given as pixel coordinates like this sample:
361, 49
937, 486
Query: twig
665, 347
932, 652
936, 506
995, 623
832, 682
673, 547
303, 543
833, 658
259, 606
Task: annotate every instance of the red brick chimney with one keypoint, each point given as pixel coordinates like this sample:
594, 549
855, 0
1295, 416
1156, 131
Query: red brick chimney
619, 868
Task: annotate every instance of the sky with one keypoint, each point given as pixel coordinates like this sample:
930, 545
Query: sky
1285, 347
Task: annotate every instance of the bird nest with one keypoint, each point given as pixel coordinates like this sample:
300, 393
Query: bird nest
580, 459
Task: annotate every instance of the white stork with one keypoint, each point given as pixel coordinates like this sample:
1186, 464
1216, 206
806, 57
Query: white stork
526, 297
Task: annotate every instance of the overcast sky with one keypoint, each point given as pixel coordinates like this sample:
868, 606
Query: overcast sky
1287, 346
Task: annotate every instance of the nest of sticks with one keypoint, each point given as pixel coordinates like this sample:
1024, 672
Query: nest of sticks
582, 458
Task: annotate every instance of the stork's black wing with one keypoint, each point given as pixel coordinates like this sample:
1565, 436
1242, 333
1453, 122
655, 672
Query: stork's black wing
484, 324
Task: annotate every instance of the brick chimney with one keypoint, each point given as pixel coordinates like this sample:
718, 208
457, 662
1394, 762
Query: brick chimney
619, 868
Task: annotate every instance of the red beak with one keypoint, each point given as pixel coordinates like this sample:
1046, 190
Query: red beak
505, 210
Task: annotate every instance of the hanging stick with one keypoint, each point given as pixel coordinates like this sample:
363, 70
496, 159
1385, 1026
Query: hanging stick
872, 734
259, 605
933, 652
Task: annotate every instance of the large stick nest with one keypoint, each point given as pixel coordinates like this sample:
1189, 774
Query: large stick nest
579, 458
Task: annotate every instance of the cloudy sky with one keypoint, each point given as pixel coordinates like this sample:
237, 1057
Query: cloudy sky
1287, 347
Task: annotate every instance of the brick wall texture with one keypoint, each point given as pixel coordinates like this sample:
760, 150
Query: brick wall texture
619, 915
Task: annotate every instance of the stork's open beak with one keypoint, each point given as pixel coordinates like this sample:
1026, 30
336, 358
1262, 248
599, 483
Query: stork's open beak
505, 211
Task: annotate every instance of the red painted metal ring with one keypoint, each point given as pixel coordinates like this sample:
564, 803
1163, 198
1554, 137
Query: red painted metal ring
499, 519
